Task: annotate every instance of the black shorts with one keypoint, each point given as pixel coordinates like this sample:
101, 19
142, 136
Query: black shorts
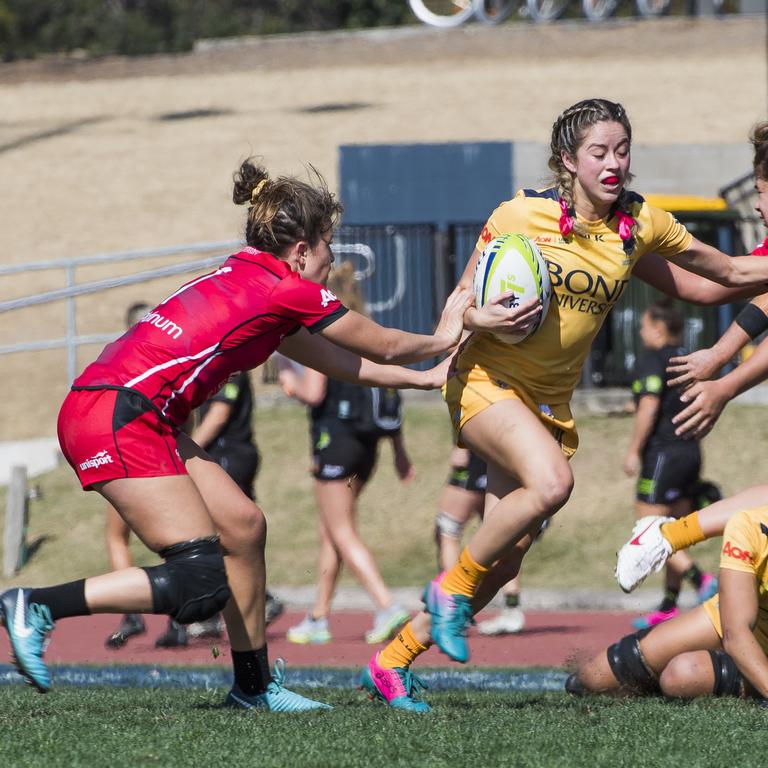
471, 477
669, 473
339, 453
241, 462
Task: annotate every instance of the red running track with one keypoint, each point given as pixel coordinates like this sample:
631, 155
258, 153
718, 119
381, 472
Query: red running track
549, 640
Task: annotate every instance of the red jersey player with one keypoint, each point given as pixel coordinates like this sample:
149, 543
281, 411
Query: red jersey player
119, 428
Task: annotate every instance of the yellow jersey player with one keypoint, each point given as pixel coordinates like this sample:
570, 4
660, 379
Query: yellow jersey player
717, 649
510, 403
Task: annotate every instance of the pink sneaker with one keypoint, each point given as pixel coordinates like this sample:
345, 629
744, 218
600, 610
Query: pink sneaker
396, 687
708, 587
653, 618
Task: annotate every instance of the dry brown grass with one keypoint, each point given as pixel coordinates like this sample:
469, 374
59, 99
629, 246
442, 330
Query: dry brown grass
89, 167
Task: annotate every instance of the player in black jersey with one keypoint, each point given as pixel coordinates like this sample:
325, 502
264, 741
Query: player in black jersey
667, 466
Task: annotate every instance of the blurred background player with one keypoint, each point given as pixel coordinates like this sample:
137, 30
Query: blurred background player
463, 497
668, 466
347, 423
224, 430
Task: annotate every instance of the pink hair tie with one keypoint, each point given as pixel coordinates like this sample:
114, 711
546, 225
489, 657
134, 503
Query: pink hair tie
567, 219
626, 222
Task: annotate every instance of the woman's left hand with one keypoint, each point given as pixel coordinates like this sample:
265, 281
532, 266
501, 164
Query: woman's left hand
707, 400
695, 366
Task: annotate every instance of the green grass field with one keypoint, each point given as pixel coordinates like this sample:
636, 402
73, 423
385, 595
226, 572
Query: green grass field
129, 727
588, 530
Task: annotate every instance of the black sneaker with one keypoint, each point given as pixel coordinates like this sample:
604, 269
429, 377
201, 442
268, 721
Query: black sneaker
273, 608
131, 625
173, 637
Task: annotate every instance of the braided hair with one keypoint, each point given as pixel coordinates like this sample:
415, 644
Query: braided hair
568, 133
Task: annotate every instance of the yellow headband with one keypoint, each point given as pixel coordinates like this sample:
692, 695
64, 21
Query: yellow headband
257, 189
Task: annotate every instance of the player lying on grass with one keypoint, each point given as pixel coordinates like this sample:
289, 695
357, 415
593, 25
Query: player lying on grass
120, 429
510, 403
718, 648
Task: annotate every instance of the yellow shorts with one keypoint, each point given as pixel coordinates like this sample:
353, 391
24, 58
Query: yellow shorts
469, 392
712, 607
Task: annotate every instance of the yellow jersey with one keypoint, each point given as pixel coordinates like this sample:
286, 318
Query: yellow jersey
745, 548
588, 273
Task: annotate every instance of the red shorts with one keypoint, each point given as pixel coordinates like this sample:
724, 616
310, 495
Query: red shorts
109, 433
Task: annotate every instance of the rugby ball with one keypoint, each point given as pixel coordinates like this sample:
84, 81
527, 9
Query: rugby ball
513, 263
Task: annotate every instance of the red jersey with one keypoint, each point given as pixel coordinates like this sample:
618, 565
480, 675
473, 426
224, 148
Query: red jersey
227, 321
762, 249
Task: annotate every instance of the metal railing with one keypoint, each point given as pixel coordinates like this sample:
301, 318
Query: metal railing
387, 264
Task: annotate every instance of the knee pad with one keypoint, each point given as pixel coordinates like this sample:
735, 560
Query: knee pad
629, 667
191, 585
728, 679
445, 525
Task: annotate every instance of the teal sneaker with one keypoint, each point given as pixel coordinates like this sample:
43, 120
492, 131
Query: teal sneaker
451, 615
397, 688
27, 625
276, 698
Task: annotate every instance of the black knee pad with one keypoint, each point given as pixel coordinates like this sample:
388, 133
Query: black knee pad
728, 679
191, 585
629, 667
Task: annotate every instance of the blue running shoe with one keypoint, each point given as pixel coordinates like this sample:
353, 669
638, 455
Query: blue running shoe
397, 687
27, 625
276, 698
708, 587
451, 615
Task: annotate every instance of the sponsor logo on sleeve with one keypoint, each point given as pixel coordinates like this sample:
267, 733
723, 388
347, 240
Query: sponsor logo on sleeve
102, 457
486, 235
737, 553
326, 297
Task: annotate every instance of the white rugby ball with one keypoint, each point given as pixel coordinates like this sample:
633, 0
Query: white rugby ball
513, 263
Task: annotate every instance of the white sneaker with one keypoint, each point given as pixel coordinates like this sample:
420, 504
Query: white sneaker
508, 622
386, 623
309, 631
645, 553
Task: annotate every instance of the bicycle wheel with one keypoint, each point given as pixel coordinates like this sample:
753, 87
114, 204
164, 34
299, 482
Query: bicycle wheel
442, 13
546, 10
493, 11
651, 8
597, 10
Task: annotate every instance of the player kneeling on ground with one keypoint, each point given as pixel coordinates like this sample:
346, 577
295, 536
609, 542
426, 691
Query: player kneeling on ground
718, 649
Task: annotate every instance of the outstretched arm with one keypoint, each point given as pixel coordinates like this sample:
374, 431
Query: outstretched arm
366, 338
316, 352
705, 363
707, 399
670, 278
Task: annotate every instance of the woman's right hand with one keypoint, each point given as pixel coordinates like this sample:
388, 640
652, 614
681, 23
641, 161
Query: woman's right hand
435, 378
496, 317
451, 324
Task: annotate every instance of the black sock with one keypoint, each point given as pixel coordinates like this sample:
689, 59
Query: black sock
511, 601
694, 574
670, 599
252, 673
64, 600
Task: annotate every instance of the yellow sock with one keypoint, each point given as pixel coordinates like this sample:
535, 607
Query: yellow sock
403, 650
465, 577
683, 533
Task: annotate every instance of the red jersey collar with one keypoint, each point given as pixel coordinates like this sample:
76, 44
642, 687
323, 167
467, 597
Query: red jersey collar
255, 256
